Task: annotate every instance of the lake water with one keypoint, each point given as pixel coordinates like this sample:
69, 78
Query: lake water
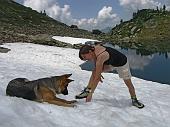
155, 67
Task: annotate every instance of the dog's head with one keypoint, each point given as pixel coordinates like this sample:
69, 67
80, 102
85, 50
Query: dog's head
62, 83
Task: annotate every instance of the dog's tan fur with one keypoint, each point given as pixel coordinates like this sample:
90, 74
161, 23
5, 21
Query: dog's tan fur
49, 96
45, 89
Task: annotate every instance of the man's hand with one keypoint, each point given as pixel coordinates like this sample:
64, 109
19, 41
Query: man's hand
89, 97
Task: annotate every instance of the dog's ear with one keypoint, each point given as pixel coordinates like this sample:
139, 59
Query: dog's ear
65, 81
68, 75
65, 76
69, 80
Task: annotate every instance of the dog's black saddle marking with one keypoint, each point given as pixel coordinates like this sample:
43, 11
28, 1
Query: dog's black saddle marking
18, 88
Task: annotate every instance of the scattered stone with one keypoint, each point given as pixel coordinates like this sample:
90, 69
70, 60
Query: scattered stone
4, 50
126, 39
133, 29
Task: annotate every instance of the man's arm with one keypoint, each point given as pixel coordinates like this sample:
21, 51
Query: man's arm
95, 81
91, 79
97, 73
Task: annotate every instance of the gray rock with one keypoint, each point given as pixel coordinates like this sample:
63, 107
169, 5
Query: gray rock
4, 50
133, 29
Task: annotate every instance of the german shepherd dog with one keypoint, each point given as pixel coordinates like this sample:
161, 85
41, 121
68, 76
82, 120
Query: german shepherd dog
42, 90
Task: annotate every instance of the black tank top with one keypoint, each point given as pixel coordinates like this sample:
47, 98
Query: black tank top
116, 58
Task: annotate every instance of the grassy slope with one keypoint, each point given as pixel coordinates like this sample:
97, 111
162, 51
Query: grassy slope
20, 23
148, 30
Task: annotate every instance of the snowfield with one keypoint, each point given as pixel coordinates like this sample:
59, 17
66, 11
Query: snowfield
110, 106
72, 40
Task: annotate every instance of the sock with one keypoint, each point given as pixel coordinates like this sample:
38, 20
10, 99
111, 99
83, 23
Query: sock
133, 97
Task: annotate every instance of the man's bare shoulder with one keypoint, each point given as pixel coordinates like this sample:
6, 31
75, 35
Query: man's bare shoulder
99, 46
103, 56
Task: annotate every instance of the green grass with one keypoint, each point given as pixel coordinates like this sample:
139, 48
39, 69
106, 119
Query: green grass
151, 32
17, 19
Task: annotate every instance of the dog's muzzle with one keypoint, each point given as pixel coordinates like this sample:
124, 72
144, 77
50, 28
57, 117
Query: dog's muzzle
65, 92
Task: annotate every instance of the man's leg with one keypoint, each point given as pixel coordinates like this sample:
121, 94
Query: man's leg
84, 93
131, 88
87, 90
125, 74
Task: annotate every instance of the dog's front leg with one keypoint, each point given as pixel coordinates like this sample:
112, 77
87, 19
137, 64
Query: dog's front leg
48, 95
72, 101
58, 102
65, 101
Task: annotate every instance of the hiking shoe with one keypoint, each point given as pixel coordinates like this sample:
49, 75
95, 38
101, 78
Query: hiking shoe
83, 94
136, 103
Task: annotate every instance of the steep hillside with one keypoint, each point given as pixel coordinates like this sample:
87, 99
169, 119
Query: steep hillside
20, 23
149, 30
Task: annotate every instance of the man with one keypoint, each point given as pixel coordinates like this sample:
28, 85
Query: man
106, 59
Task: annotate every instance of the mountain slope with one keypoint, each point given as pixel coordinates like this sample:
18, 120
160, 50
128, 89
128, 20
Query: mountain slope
149, 30
20, 23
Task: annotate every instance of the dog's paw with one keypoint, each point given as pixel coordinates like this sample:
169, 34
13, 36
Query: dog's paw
74, 106
73, 101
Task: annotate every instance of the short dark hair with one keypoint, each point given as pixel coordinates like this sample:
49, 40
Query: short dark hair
84, 50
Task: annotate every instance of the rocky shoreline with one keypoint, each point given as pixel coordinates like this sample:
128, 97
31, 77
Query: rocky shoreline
43, 39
